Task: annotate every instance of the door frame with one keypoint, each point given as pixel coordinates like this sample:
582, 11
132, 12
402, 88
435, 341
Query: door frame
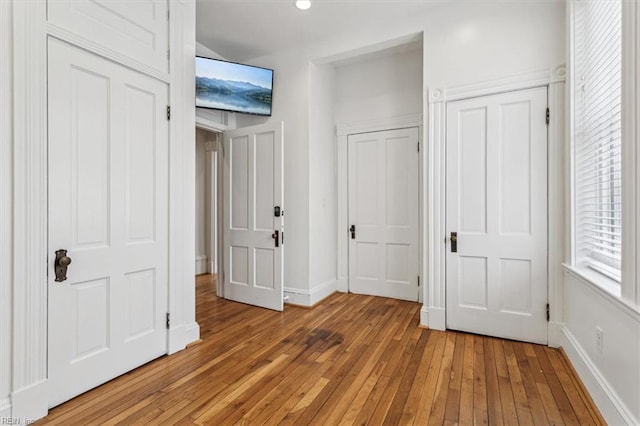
344, 130
433, 313
31, 261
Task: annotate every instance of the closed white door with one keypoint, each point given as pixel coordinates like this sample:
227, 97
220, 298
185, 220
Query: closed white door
253, 231
496, 202
383, 213
108, 189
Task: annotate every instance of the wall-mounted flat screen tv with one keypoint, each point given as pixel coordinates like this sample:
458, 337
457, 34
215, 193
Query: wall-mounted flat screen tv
233, 87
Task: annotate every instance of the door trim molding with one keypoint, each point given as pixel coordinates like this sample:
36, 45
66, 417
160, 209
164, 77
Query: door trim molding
435, 183
30, 261
343, 130
526, 80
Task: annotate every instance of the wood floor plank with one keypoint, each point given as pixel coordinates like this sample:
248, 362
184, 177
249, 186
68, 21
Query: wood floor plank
442, 387
509, 413
480, 402
546, 397
351, 359
413, 405
560, 397
466, 416
494, 406
523, 409
452, 411
430, 386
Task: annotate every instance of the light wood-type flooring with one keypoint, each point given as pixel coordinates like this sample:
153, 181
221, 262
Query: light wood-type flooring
351, 359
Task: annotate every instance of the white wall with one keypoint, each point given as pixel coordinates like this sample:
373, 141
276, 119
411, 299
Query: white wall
464, 43
467, 43
383, 86
291, 105
322, 172
614, 374
6, 205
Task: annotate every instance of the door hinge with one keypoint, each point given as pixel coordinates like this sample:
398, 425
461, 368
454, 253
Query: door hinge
168, 112
168, 320
548, 116
418, 146
168, 14
418, 280
548, 313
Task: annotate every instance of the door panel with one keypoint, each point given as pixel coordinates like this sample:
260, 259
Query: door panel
383, 206
108, 189
253, 187
496, 202
138, 30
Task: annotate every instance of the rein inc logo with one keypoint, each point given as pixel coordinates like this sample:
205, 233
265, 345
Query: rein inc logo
15, 421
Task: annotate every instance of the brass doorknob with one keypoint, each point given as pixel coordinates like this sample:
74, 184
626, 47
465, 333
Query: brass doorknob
60, 265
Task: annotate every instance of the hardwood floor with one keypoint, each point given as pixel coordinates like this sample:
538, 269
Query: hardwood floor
350, 360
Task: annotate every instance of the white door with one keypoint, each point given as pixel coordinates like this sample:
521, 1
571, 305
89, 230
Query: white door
253, 209
383, 213
496, 202
108, 188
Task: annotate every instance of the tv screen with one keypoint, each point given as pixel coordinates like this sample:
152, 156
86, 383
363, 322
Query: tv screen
233, 87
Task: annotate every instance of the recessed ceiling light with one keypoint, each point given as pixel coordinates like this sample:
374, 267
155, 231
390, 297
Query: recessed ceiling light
303, 4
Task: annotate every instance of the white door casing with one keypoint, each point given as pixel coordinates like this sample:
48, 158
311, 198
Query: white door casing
383, 207
252, 188
108, 206
496, 201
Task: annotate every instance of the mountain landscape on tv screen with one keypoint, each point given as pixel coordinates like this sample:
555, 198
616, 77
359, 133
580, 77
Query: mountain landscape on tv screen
232, 95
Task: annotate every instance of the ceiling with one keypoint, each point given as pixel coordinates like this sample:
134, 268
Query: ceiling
240, 30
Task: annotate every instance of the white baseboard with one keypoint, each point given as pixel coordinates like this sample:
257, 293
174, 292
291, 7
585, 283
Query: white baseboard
424, 316
554, 333
5, 408
342, 285
181, 336
611, 407
322, 291
434, 318
297, 296
201, 265
30, 403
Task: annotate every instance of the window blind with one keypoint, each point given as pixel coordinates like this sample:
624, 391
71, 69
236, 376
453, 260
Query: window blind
597, 155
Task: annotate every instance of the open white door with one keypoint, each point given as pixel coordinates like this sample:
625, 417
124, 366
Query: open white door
108, 207
253, 209
496, 202
383, 213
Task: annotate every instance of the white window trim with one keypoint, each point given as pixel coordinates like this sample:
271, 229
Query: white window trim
629, 288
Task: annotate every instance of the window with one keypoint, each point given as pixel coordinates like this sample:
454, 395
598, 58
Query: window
597, 143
